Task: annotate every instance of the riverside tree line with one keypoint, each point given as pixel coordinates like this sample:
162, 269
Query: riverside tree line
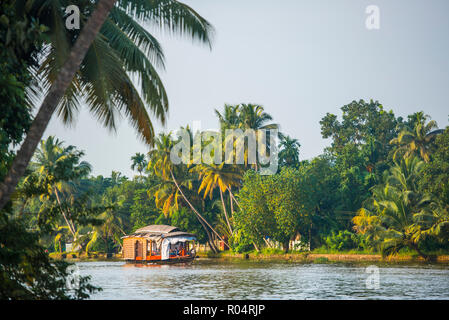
380, 187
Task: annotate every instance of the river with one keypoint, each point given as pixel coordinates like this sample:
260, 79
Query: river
216, 279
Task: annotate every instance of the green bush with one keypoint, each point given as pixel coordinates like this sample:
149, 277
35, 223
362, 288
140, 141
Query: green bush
240, 243
343, 240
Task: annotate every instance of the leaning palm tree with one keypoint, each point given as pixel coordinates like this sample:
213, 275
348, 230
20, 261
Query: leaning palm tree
161, 165
221, 176
417, 140
126, 50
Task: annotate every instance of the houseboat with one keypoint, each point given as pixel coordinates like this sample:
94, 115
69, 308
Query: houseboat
159, 244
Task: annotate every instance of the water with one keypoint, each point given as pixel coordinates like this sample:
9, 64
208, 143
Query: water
212, 279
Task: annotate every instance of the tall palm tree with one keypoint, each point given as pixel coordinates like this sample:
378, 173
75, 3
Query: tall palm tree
138, 162
418, 139
125, 48
245, 116
289, 151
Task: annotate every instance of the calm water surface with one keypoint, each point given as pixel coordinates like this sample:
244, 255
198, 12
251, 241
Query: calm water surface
211, 279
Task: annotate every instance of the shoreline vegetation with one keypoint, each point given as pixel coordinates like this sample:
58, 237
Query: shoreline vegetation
299, 257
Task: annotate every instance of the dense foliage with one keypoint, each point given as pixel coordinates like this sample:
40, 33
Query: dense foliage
371, 190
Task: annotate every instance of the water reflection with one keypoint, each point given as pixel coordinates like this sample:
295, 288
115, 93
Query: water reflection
210, 279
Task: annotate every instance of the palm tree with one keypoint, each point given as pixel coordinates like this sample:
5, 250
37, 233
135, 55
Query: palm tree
111, 226
161, 165
254, 117
417, 139
221, 176
125, 48
55, 166
391, 213
138, 162
52, 99
166, 195
289, 151
230, 117
245, 116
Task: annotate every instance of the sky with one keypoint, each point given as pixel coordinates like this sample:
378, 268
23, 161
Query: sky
299, 59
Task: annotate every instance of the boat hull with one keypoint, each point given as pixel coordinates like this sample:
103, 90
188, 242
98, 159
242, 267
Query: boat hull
176, 260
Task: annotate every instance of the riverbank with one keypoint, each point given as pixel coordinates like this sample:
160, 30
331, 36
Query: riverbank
303, 257
320, 257
76, 256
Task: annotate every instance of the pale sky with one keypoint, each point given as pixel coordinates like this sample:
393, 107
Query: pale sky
297, 58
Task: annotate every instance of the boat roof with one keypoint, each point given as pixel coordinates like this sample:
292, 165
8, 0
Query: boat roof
157, 228
159, 231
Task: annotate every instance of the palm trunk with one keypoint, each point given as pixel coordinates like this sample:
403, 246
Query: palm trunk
255, 246
193, 208
232, 196
267, 243
422, 254
71, 227
224, 210
232, 203
209, 237
51, 101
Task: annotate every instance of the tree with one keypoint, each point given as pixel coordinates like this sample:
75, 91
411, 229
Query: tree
221, 176
436, 173
229, 119
360, 148
289, 151
254, 117
52, 99
273, 206
138, 162
104, 97
54, 167
360, 121
254, 220
111, 226
391, 214
161, 165
418, 140
26, 271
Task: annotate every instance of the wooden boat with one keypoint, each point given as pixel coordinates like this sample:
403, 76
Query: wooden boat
159, 244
